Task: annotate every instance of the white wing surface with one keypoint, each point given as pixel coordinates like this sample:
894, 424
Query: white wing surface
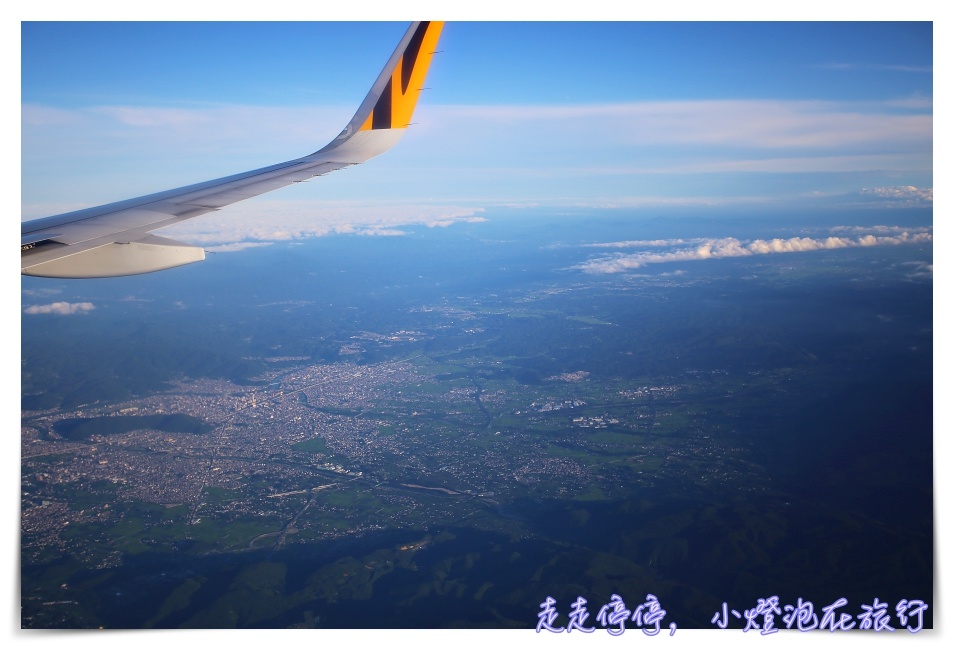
114, 239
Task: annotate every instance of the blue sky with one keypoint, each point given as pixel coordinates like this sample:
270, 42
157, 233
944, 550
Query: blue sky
552, 63
584, 115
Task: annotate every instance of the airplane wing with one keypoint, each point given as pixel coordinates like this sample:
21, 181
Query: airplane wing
114, 239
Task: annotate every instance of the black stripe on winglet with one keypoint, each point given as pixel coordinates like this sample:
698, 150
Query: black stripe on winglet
381, 117
410, 55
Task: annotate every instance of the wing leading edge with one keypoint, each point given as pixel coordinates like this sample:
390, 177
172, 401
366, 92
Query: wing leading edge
114, 239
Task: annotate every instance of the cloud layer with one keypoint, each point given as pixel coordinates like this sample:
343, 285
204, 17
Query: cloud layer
705, 249
262, 222
518, 153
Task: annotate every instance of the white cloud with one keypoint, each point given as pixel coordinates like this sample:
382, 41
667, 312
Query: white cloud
732, 247
900, 194
151, 117
32, 115
635, 243
920, 270
877, 230
182, 131
235, 247
738, 124
924, 69
43, 292
262, 221
60, 308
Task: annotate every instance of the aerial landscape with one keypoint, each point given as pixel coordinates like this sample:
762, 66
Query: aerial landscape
702, 391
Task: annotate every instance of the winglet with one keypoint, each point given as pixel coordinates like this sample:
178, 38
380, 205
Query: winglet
391, 101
